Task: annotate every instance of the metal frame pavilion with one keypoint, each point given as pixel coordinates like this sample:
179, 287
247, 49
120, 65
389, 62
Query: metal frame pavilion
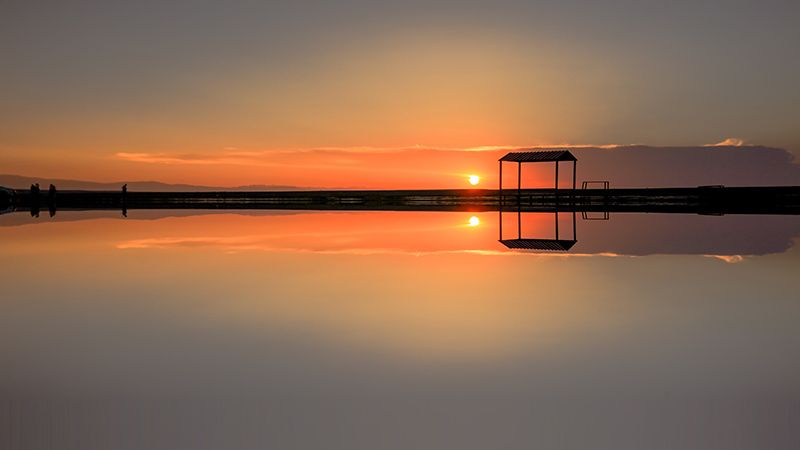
555, 156
545, 156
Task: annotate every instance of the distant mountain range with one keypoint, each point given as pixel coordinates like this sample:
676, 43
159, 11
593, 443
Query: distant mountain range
21, 182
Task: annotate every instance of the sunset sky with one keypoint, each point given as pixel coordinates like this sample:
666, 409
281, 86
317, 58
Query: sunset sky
380, 94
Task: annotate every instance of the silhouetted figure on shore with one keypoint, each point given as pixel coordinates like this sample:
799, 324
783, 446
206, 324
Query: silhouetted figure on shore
125, 200
51, 200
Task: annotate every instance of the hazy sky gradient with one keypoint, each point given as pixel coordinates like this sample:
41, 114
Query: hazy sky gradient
83, 82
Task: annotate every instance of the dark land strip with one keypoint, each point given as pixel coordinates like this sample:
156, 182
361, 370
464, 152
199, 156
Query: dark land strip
699, 200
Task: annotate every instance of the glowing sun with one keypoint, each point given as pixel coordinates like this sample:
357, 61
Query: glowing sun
474, 179
474, 221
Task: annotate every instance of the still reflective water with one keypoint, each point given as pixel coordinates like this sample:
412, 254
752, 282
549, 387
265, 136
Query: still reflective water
398, 330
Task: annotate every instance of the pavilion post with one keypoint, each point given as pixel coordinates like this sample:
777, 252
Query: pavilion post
556, 175
574, 176
501, 182
574, 232
556, 224
500, 224
556, 195
574, 172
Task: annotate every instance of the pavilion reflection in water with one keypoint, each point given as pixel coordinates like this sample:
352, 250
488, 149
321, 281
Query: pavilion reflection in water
521, 243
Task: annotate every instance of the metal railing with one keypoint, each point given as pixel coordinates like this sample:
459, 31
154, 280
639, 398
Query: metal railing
585, 214
585, 184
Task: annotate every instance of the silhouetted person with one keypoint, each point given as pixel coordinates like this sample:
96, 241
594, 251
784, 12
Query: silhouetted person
125, 200
51, 200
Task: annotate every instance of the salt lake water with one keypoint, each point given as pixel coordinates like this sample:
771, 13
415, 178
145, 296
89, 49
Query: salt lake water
282, 329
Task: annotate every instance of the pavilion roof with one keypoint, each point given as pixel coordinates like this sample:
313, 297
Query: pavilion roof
539, 244
551, 155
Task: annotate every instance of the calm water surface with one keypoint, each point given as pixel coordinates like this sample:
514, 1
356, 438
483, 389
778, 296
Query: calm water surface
397, 330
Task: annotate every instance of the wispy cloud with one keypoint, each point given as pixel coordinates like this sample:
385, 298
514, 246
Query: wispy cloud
238, 244
225, 158
728, 258
486, 148
235, 156
369, 159
730, 142
185, 158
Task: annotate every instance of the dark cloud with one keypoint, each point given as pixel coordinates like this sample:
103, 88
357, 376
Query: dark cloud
643, 166
687, 234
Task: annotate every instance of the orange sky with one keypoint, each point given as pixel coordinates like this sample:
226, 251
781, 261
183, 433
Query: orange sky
330, 168
244, 95
367, 168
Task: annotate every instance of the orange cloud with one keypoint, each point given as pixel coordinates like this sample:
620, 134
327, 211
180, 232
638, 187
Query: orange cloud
260, 243
263, 157
730, 142
413, 167
232, 155
727, 258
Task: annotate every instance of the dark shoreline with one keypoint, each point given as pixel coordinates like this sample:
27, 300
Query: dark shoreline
699, 200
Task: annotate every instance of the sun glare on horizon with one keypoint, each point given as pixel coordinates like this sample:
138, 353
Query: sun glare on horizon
474, 221
474, 179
